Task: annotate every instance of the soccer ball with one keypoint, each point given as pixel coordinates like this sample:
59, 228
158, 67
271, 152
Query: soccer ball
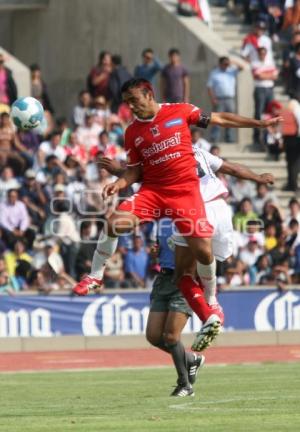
27, 113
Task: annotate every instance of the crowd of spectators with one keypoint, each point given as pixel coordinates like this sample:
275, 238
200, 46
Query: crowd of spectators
51, 210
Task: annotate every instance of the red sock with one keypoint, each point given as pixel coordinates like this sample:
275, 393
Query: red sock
194, 296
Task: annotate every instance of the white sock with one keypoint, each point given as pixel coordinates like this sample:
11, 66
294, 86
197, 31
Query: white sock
106, 247
207, 274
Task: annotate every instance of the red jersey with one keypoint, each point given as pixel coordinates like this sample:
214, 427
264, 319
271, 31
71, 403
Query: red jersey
163, 146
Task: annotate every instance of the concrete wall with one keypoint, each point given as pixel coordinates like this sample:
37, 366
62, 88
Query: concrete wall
66, 37
69, 343
20, 72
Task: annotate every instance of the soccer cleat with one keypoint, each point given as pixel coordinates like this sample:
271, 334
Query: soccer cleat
182, 391
86, 285
194, 367
210, 330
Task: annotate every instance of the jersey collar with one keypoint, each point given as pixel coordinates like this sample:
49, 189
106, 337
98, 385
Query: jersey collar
150, 119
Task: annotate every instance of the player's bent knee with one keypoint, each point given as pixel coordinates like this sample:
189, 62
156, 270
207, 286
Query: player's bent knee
170, 338
153, 339
119, 224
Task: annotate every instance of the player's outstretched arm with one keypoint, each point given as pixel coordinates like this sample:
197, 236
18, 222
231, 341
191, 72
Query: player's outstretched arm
243, 172
130, 176
229, 120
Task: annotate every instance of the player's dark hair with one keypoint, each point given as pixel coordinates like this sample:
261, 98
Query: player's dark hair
141, 83
147, 50
50, 158
223, 59
102, 55
173, 51
82, 92
104, 132
293, 223
12, 190
34, 67
54, 133
116, 59
293, 201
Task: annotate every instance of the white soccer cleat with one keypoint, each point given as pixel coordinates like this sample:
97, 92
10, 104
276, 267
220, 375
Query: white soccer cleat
208, 333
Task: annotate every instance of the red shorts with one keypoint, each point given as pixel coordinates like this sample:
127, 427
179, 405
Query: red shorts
184, 205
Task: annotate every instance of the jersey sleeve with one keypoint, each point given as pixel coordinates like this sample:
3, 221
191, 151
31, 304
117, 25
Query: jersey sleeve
195, 116
191, 113
214, 162
133, 157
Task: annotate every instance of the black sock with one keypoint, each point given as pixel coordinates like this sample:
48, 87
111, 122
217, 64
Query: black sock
179, 358
163, 346
189, 358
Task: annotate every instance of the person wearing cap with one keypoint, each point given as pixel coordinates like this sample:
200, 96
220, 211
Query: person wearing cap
256, 39
59, 190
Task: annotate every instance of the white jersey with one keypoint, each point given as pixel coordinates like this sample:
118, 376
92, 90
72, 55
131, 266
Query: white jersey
211, 186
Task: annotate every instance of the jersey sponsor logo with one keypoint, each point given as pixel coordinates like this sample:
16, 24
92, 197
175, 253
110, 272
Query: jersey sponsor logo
155, 131
162, 145
138, 141
173, 122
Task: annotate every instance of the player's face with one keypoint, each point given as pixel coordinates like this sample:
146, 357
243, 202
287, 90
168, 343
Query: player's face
139, 102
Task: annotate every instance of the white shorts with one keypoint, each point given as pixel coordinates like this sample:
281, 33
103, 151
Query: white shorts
219, 216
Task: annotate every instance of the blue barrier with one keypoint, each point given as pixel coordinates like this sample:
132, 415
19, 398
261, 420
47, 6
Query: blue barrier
126, 313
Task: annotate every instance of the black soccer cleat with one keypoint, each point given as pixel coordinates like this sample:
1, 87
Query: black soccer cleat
182, 391
193, 368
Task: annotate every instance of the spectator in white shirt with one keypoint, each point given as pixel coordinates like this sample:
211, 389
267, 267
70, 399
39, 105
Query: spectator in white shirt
264, 74
257, 39
88, 135
7, 181
249, 255
51, 147
14, 220
83, 106
263, 194
294, 211
198, 140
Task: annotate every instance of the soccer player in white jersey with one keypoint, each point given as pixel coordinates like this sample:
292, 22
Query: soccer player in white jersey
219, 216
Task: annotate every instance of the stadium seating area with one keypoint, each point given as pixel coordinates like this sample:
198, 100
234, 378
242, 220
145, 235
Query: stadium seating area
54, 181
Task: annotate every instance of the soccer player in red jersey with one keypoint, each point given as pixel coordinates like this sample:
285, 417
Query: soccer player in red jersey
159, 153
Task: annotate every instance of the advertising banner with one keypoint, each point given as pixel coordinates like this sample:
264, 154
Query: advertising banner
126, 313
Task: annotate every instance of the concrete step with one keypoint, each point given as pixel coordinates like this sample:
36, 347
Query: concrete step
233, 29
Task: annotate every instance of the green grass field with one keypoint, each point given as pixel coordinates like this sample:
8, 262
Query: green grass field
256, 398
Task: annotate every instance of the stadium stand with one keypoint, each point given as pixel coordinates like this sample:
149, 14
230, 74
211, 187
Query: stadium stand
56, 179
